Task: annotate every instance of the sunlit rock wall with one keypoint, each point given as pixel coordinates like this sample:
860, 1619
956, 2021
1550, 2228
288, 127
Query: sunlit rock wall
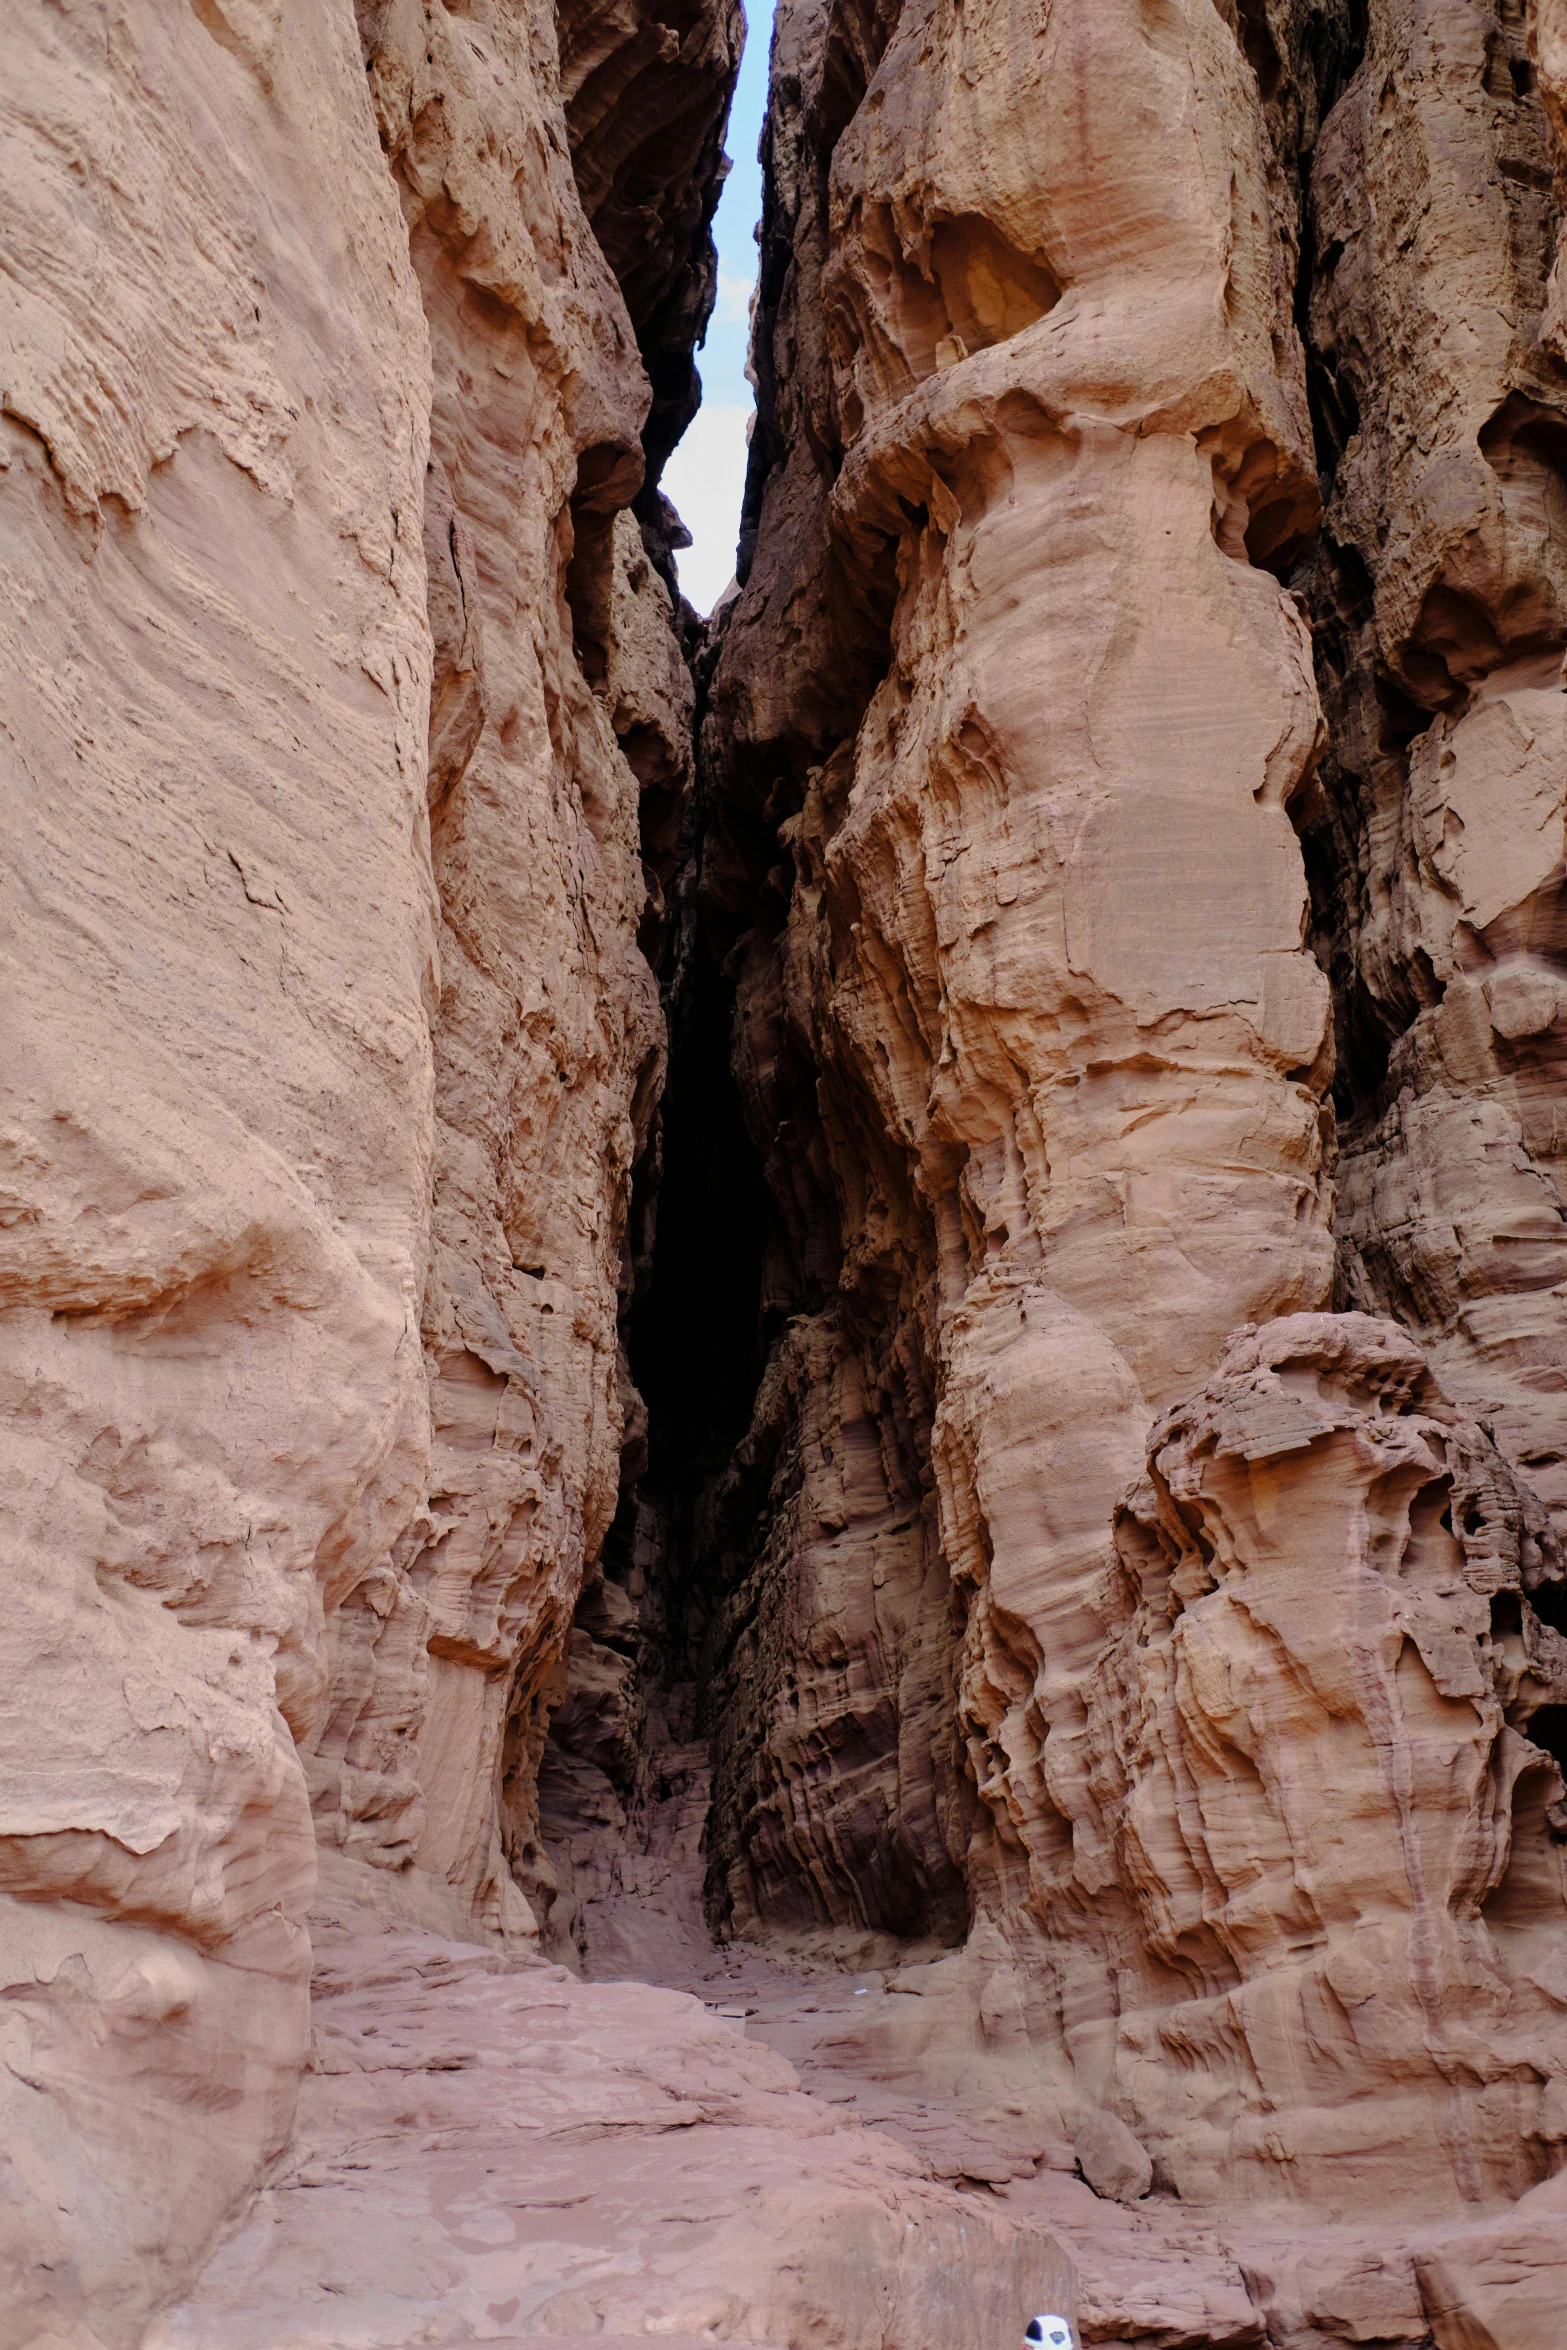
220, 973
346, 741
1031, 755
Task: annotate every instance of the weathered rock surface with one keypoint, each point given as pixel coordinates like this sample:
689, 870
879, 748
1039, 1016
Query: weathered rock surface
1157, 2271
1151, 529
548, 1039
219, 974
1037, 1020
489, 2148
1327, 1751
1438, 600
1122, 904
1034, 1052
1111, 2160
646, 90
347, 735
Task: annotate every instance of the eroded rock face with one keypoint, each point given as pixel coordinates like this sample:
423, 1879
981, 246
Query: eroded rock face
220, 971
1327, 1748
348, 736
1151, 530
548, 1039
1438, 601
1131, 854
1041, 966
830, 1713
646, 90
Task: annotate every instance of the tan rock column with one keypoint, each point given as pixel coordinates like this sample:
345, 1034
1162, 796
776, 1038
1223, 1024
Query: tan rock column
1064, 898
1039, 1023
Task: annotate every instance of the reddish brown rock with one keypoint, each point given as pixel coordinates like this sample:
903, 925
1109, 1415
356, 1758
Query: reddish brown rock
1327, 1751
1014, 743
1111, 2159
1036, 1040
220, 969
1437, 598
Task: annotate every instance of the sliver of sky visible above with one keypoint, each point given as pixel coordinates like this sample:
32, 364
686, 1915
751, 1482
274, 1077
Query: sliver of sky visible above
706, 475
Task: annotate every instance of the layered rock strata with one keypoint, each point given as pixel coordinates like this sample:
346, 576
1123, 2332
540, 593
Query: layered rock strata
1438, 602
1326, 1746
1080, 336
220, 975
1032, 1035
1131, 855
548, 1042
347, 733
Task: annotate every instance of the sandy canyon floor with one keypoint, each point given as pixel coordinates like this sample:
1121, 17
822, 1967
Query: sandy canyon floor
705, 2144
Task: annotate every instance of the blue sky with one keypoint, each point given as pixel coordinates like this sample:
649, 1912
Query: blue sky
706, 475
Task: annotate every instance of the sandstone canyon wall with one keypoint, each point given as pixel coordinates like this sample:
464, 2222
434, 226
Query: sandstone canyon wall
1034, 1041
1151, 612
339, 682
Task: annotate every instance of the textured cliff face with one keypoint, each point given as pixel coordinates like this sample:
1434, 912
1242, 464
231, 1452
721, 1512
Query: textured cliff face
1438, 600
645, 90
220, 971
1099, 1488
1326, 1751
1042, 962
1152, 565
547, 1044
347, 740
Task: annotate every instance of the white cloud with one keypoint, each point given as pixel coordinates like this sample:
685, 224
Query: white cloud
706, 479
734, 295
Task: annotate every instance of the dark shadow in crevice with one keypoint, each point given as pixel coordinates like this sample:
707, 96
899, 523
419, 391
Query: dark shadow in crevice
694, 1340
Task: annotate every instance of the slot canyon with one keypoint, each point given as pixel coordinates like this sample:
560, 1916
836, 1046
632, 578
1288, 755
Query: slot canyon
784, 1396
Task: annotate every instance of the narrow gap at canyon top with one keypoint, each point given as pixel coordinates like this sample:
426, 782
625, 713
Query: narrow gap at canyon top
706, 475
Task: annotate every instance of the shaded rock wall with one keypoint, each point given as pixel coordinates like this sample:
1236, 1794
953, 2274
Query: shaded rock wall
1133, 752
1437, 599
347, 735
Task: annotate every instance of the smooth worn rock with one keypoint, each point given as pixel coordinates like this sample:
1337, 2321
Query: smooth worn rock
1503, 2284
485, 2143
349, 736
219, 942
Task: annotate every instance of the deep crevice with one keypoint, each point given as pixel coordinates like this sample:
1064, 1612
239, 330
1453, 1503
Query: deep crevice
695, 1340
